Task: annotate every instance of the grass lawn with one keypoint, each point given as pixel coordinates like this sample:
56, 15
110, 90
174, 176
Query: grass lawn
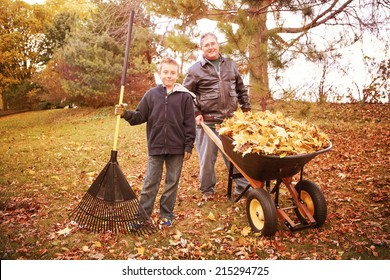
48, 160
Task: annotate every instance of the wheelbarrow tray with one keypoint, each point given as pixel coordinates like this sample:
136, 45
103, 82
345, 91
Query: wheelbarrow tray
268, 167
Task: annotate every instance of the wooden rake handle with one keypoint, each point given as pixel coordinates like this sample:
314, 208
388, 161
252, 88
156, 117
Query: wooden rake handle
123, 80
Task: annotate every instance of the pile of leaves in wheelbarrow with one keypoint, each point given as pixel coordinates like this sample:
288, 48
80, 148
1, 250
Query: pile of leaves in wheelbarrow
272, 134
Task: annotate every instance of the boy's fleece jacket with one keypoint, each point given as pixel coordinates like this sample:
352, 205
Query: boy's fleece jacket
170, 120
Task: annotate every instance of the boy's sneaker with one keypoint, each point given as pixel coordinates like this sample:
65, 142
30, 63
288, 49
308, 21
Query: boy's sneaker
166, 222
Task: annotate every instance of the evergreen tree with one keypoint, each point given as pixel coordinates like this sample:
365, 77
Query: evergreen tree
89, 57
263, 33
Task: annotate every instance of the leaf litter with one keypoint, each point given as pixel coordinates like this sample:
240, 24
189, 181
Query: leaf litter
353, 176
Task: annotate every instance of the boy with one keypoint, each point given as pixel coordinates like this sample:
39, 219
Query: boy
168, 111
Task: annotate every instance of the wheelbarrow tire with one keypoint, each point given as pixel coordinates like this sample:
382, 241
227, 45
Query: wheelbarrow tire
314, 200
261, 212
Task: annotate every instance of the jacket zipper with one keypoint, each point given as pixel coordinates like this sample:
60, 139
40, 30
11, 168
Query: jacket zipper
222, 89
165, 122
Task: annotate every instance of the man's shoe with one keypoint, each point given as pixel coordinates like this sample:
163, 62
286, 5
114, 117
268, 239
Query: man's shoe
208, 196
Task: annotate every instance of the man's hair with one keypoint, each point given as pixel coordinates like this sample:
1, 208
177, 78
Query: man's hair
207, 35
168, 60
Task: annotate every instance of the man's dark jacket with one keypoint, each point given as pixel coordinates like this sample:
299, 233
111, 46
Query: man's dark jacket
218, 95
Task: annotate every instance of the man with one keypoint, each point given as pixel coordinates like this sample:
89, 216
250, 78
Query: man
219, 90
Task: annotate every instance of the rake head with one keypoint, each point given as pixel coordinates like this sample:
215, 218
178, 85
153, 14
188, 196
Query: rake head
111, 205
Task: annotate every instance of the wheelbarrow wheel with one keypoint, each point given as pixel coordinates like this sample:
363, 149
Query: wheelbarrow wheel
314, 200
261, 212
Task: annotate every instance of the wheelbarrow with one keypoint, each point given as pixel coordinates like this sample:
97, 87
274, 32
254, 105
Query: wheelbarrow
307, 203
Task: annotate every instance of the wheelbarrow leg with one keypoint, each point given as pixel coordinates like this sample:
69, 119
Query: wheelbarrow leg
233, 176
230, 181
241, 194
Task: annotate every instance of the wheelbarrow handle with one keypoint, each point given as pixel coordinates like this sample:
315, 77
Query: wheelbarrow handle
214, 137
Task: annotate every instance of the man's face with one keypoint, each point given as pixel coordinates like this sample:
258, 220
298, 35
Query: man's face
169, 74
210, 48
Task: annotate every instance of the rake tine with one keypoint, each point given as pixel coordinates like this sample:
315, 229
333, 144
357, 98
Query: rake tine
107, 221
91, 222
78, 212
119, 224
101, 217
128, 222
127, 212
90, 214
110, 221
97, 219
130, 219
118, 210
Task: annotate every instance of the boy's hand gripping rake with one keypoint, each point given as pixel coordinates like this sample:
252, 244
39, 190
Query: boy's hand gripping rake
110, 204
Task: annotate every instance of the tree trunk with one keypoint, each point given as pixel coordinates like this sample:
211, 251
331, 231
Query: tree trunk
258, 55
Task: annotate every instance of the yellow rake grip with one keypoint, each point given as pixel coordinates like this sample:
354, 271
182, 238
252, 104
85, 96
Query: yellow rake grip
118, 119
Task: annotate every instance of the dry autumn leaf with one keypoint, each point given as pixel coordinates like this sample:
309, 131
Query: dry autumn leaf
85, 249
211, 216
140, 251
64, 231
272, 134
245, 231
177, 234
96, 256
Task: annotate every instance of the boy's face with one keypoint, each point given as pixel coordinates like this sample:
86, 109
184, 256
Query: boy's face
210, 48
169, 74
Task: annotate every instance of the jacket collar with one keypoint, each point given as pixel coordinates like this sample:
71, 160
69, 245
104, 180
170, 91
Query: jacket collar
204, 60
179, 87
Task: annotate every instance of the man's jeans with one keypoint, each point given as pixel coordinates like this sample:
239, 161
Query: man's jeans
208, 152
173, 164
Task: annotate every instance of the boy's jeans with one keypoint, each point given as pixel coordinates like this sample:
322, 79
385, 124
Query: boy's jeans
173, 164
208, 152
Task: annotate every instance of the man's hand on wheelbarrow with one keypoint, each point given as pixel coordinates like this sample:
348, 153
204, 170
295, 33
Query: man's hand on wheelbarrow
199, 119
187, 156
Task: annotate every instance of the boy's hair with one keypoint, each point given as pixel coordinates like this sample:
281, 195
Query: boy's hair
207, 35
168, 60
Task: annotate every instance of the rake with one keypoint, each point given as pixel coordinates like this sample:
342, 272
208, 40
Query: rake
110, 204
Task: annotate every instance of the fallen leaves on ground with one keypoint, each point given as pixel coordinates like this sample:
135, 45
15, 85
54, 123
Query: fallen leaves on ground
37, 195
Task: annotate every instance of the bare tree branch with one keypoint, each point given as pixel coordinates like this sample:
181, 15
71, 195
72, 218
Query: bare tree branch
318, 20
